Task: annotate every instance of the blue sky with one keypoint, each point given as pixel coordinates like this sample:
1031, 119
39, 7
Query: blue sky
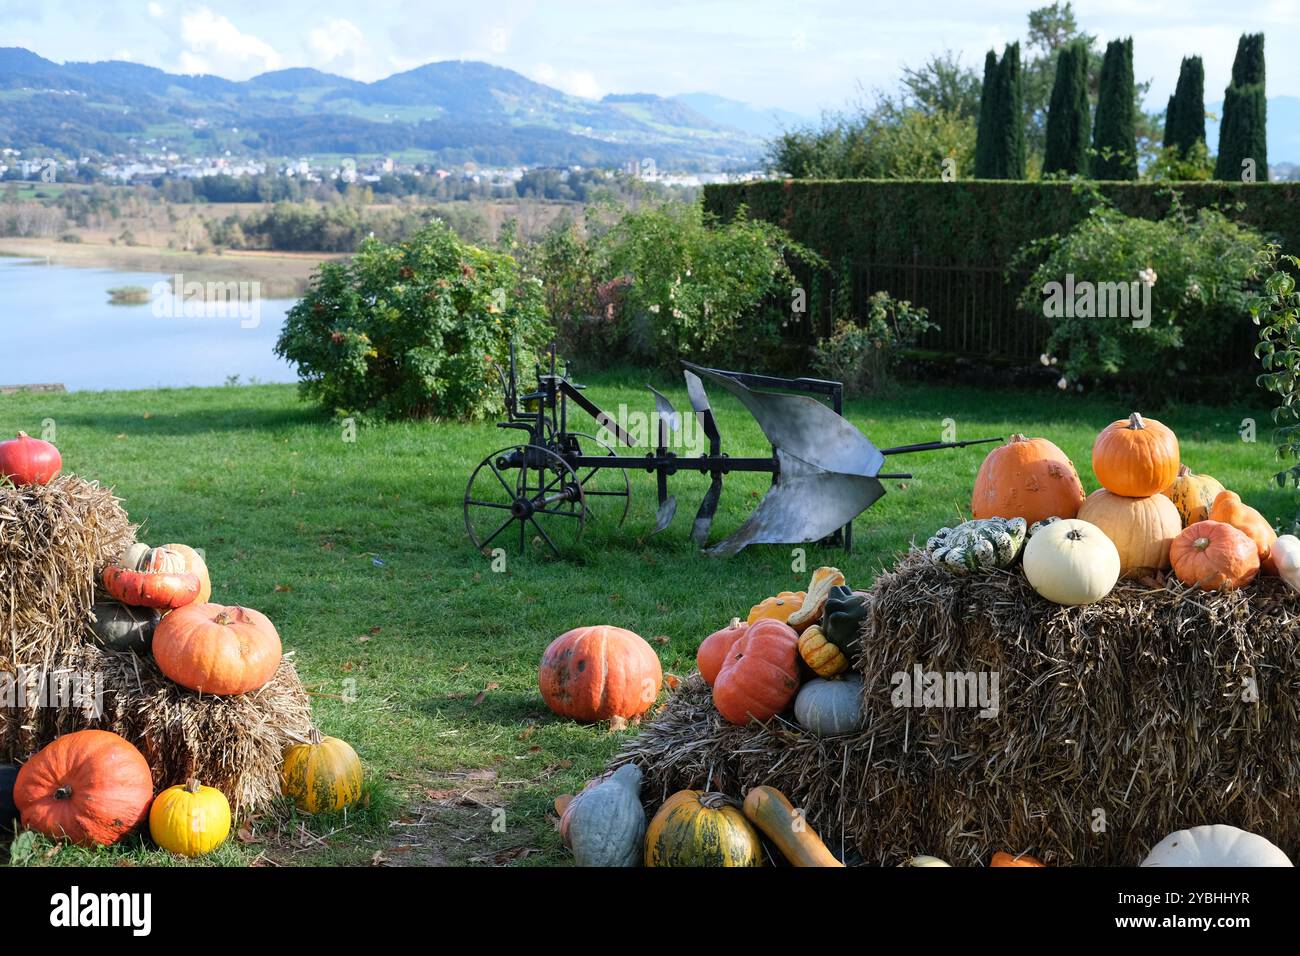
801, 57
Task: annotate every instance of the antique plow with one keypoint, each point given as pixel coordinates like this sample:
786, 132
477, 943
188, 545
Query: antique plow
824, 471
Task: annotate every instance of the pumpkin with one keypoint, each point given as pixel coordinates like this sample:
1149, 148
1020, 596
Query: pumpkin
604, 825
978, 544
1214, 556
193, 562
217, 650
1026, 478
121, 627
1001, 858
760, 676
1286, 560
843, 617
134, 556
595, 673
810, 611
928, 861
29, 461
769, 810
190, 820
1215, 845
8, 812
1140, 528
322, 774
1229, 509
713, 649
161, 581
1193, 495
91, 786
778, 607
1135, 457
693, 828
821, 656
828, 708
1071, 562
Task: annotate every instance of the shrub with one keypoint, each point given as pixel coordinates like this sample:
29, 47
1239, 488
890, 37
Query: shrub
413, 329
1276, 309
861, 351
1196, 268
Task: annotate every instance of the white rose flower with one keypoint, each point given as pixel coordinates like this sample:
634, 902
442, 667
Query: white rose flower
1062, 384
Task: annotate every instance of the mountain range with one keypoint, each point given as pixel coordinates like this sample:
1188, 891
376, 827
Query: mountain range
447, 112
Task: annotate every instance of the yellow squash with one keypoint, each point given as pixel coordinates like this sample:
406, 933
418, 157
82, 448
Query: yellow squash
810, 612
825, 659
693, 828
322, 774
190, 820
1193, 495
770, 811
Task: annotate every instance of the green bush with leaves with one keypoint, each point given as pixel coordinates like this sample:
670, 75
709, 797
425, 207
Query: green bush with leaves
413, 329
1276, 310
862, 350
1192, 269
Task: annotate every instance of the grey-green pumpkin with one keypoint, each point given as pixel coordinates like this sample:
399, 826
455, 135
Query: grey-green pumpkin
8, 812
604, 825
828, 708
978, 544
120, 627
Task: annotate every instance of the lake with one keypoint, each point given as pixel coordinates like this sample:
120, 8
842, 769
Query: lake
57, 325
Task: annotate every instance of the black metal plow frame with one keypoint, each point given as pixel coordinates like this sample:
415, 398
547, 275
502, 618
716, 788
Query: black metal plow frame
546, 489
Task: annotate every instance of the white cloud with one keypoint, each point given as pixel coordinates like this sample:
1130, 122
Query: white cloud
156, 10
575, 82
215, 45
337, 39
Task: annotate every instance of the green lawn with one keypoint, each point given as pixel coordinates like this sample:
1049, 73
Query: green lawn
358, 552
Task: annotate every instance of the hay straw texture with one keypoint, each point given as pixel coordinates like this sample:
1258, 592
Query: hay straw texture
54, 541
235, 744
1138, 707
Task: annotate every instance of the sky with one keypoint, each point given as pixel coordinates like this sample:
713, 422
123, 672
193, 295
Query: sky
803, 57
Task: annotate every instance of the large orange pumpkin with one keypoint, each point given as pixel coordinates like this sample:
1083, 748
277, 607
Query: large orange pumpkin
92, 787
595, 673
713, 649
1214, 556
1229, 508
760, 676
1136, 457
1026, 478
217, 650
1141, 528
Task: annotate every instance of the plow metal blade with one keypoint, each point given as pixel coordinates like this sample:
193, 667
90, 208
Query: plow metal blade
709, 504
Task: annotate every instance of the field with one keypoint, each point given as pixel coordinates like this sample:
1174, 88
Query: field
357, 550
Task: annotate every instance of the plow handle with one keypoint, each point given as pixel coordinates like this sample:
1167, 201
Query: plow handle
935, 446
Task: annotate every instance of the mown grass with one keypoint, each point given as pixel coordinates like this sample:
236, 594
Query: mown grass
422, 655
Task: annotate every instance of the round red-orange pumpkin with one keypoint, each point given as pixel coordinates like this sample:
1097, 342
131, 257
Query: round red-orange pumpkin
595, 673
1229, 508
1026, 478
163, 580
194, 564
1214, 556
760, 674
713, 649
1135, 457
217, 650
29, 461
91, 786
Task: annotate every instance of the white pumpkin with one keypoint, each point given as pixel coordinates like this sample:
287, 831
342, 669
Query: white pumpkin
1071, 562
1215, 845
927, 861
1286, 558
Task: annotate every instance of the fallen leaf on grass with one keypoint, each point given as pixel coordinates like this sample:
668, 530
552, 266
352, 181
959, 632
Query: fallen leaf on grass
673, 681
246, 835
660, 639
616, 724
526, 732
482, 695
283, 589
378, 859
441, 794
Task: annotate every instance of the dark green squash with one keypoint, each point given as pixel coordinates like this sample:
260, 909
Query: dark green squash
120, 627
8, 812
842, 618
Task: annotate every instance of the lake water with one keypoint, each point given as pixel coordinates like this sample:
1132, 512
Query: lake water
57, 325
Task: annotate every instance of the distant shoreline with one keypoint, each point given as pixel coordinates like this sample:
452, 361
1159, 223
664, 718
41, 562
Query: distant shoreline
283, 275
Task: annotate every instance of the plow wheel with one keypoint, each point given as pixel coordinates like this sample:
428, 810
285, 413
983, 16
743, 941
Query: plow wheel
523, 494
606, 489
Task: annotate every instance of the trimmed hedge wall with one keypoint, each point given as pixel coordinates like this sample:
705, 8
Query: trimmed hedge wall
975, 222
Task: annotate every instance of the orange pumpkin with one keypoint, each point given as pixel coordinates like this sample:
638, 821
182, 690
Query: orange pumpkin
595, 673
194, 564
1141, 528
1002, 858
760, 675
713, 649
217, 650
778, 607
1229, 509
1214, 556
1135, 457
163, 581
92, 787
1026, 478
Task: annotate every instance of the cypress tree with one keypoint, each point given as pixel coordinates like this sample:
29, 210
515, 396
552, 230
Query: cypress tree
1243, 133
1010, 125
1115, 132
1068, 114
984, 135
1185, 118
